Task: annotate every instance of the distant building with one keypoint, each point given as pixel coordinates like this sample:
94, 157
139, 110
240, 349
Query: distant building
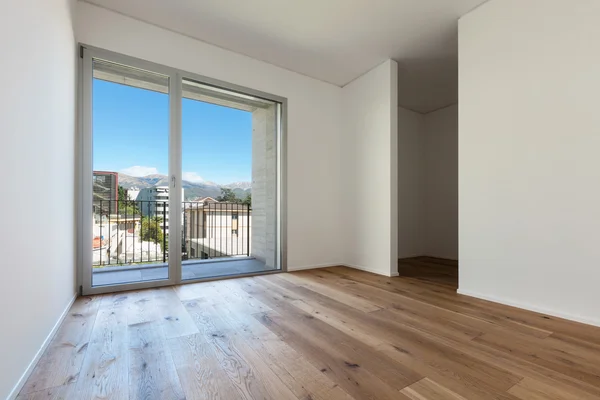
132, 193
204, 200
117, 240
105, 192
154, 202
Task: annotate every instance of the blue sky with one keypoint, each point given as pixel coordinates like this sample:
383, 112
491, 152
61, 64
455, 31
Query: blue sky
131, 135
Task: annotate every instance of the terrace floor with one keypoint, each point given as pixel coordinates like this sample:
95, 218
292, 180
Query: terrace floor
190, 270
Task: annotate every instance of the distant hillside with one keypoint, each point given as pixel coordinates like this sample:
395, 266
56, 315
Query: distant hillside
192, 189
239, 185
242, 193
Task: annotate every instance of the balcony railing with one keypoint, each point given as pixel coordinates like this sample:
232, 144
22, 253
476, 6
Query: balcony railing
214, 230
138, 234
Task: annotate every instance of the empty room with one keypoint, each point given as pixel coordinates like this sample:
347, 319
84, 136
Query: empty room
341, 199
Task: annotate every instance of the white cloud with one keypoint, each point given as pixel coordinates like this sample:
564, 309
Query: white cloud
139, 171
192, 177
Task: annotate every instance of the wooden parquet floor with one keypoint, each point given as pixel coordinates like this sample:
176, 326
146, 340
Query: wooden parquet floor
333, 333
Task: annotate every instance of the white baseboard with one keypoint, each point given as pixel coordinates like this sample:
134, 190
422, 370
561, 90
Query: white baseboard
13, 394
530, 307
304, 267
371, 270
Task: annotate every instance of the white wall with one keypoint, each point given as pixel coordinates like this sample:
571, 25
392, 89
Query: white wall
410, 183
314, 115
529, 148
37, 156
370, 105
440, 183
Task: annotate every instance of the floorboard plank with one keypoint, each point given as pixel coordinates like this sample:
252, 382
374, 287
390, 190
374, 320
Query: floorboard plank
244, 368
105, 370
530, 389
142, 306
446, 298
357, 381
351, 300
175, 320
301, 377
61, 362
554, 358
64, 392
426, 389
152, 374
199, 370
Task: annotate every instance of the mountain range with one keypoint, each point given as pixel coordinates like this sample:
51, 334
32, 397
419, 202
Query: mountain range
192, 190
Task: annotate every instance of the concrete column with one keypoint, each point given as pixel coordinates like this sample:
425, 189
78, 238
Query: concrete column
264, 180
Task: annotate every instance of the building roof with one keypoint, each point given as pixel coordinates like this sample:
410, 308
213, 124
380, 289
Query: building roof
205, 200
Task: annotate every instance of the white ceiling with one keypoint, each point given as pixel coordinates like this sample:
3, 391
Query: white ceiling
332, 40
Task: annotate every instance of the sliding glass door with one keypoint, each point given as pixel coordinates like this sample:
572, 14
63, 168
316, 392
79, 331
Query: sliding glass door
230, 219
180, 176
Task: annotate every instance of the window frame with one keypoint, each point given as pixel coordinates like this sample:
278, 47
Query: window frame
85, 175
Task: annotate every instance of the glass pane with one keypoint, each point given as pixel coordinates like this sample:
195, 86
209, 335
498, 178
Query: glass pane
229, 155
130, 112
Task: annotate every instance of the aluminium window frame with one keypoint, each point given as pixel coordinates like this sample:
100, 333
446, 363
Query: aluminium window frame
85, 168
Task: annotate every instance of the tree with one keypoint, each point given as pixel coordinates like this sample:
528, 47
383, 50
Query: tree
151, 230
227, 195
122, 194
248, 200
126, 206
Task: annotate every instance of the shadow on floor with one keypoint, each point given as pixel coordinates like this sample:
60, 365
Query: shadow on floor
430, 269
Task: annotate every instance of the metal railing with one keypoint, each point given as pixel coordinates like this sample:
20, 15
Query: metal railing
214, 230
138, 232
